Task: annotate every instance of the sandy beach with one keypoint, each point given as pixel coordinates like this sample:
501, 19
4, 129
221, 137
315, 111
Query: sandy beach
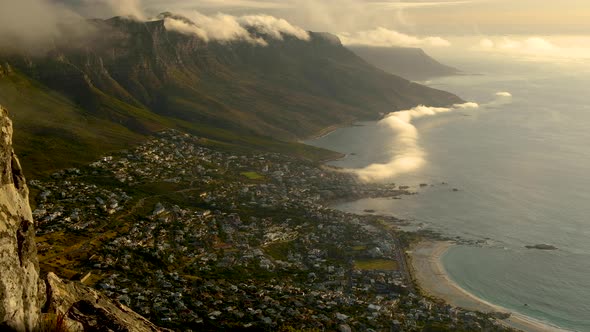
433, 279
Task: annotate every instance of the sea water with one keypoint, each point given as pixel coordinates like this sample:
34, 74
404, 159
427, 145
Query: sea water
522, 171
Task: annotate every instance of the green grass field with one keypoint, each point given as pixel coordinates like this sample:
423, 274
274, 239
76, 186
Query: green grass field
375, 264
253, 175
52, 132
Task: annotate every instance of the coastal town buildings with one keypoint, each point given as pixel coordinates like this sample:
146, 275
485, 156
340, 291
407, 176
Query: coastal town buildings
196, 238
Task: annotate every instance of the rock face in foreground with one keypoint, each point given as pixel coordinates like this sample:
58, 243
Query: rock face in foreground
87, 310
542, 247
23, 293
20, 286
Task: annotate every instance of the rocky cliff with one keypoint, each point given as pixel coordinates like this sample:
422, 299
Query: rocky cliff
85, 309
28, 302
20, 286
408, 62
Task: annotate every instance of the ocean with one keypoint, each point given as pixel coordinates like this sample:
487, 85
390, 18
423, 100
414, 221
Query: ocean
521, 166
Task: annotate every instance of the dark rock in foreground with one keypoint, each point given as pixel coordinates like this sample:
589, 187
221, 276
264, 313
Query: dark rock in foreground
85, 309
542, 247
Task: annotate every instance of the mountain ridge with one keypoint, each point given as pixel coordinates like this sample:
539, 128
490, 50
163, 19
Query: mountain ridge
135, 78
409, 62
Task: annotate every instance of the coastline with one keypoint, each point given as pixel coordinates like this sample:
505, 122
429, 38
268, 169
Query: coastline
326, 131
432, 278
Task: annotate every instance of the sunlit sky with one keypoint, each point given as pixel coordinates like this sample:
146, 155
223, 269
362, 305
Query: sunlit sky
458, 17
443, 17
532, 28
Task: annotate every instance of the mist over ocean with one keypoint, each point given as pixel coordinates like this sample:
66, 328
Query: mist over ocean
523, 172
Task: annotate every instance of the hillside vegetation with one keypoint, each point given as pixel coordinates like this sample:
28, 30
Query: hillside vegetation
130, 79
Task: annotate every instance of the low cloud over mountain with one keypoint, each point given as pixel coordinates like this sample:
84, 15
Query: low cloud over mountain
382, 37
222, 27
34, 26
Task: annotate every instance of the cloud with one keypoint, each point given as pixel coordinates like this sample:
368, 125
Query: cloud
185, 27
219, 27
126, 8
486, 43
531, 45
224, 4
103, 8
35, 26
317, 15
225, 28
539, 44
553, 48
383, 37
321, 15
503, 94
437, 41
291, 4
32, 25
510, 44
406, 139
420, 4
272, 26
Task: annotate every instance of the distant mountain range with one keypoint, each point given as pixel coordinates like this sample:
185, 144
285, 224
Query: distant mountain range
411, 63
130, 79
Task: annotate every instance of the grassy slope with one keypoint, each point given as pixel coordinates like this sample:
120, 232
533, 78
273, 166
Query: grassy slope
52, 132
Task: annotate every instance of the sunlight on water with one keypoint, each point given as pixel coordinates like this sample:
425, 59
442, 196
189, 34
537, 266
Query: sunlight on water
520, 166
405, 137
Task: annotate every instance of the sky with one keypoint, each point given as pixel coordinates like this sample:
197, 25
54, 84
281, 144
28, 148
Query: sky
448, 17
541, 28
422, 17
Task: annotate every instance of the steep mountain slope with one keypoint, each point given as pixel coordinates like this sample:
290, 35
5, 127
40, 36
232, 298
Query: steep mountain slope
411, 63
52, 132
131, 78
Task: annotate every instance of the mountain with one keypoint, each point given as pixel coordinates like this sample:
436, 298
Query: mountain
411, 63
128, 79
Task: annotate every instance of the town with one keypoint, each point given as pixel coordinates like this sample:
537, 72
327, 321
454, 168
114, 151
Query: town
198, 238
